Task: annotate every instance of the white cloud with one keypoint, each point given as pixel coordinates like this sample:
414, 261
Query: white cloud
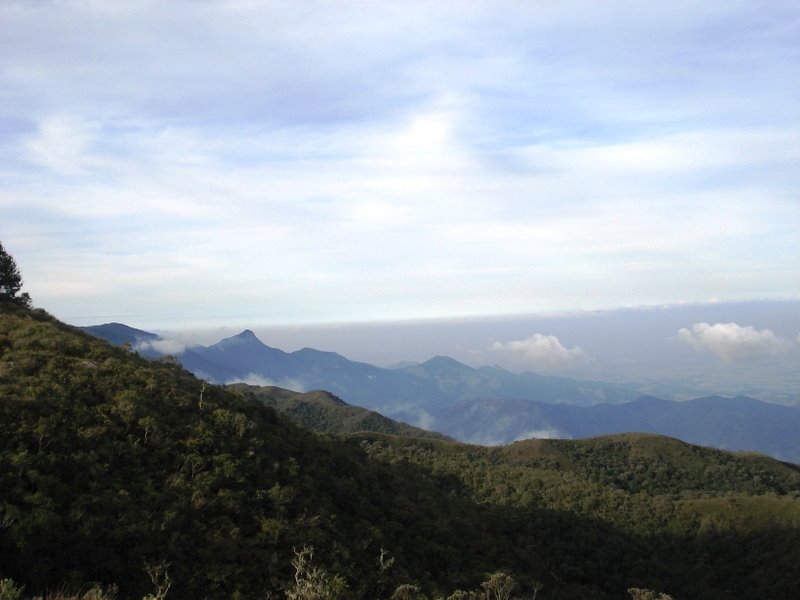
730, 341
538, 352
292, 384
547, 433
163, 346
253, 379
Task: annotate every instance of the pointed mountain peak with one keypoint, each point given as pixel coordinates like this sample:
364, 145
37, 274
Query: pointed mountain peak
247, 336
440, 362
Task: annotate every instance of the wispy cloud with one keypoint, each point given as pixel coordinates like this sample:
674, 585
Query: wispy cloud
61, 144
730, 341
399, 159
425, 420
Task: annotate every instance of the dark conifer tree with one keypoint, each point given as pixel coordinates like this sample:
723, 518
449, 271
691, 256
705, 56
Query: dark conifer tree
11, 280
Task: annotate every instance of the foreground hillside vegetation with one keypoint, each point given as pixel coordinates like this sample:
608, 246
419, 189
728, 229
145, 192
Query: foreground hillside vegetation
138, 478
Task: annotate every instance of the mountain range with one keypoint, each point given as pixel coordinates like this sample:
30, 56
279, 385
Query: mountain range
486, 405
410, 392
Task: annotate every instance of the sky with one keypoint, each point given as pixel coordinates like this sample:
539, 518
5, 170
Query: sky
187, 164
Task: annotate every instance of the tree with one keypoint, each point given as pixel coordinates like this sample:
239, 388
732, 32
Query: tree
11, 280
310, 582
161, 580
645, 594
408, 591
499, 586
9, 590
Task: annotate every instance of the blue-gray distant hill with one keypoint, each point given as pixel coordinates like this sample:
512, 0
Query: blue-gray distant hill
487, 405
411, 393
120, 334
738, 424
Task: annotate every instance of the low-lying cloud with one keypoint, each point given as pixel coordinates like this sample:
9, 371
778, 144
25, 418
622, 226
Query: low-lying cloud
170, 347
546, 433
425, 420
292, 384
538, 352
730, 341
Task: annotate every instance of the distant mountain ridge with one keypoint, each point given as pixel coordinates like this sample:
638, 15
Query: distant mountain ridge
119, 334
486, 405
410, 392
735, 424
463, 382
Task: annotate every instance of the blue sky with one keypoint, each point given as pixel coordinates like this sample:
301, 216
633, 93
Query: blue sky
202, 164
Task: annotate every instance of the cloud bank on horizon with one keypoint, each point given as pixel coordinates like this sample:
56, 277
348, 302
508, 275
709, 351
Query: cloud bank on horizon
182, 164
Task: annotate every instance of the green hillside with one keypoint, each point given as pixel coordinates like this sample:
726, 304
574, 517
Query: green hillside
118, 470
325, 413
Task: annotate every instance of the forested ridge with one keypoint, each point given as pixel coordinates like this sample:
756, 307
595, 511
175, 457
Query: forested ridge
117, 470
326, 413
